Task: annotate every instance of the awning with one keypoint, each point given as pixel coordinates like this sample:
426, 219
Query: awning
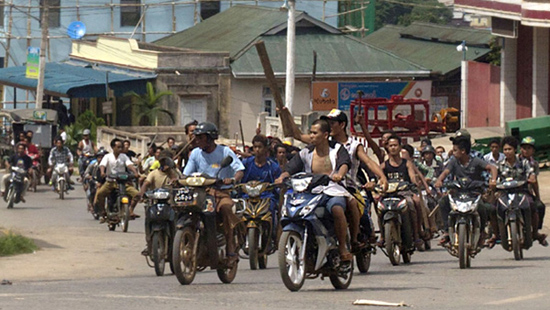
78, 81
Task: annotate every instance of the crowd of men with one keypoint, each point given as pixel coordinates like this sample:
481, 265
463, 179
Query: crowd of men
330, 151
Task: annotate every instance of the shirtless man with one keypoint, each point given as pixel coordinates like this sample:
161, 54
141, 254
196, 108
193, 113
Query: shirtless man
332, 159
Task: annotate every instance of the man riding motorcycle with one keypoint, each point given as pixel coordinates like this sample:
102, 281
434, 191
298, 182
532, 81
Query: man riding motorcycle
92, 171
206, 158
330, 158
264, 169
113, 163
519, 169
164, 176
397, 168
21, 160
60, 154
465, 165
85, 147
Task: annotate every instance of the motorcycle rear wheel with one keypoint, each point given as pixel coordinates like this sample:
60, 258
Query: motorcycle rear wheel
291, 267
392, 247
125, 217
184, 256
158, 248
253, 234
463, 257
516, 246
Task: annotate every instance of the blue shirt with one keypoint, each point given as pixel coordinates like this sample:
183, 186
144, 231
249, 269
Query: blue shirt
209, 163
266, 173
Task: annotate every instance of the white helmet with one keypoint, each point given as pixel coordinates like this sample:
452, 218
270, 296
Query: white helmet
86, 132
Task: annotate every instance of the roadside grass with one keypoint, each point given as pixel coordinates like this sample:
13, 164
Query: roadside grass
14, 244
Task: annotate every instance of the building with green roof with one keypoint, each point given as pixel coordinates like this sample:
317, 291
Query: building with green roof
340, 57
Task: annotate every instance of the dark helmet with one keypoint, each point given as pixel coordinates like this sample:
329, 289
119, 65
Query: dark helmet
101, 152
207, 128
428, 149
167, 161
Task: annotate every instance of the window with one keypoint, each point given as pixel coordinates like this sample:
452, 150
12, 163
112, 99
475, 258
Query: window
130, 12
209, 9
54, 12
2, 13
268, 102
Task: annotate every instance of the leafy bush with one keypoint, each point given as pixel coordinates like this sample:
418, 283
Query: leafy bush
13, 244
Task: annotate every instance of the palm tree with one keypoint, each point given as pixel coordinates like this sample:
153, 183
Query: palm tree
148, 105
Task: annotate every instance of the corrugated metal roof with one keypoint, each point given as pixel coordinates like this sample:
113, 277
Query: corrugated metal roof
76, 81
337, 55
228, 31
433, 55
448, 34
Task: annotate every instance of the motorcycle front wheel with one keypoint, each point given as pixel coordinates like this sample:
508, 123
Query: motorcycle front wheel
463, 257
159, 252
393, 248
516, 246
184, 256
61, 189
253, 234
125, 217
34, 177
363, 260
291, 267
10, 197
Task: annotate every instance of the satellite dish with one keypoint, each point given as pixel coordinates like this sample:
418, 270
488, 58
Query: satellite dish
76, 30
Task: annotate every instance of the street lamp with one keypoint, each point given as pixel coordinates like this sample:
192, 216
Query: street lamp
462, 48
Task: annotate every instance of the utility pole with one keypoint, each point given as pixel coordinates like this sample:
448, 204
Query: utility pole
42, 63
290, 53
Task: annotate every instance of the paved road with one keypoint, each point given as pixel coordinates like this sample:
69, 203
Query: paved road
83, 266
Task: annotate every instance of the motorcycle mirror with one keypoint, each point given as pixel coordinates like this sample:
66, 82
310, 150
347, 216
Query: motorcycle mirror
226, 162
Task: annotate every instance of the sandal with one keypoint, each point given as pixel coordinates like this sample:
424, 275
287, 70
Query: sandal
419, 245
542, 239
490, 243
381, 243
346, 257
357, 246
444, 240
134, 216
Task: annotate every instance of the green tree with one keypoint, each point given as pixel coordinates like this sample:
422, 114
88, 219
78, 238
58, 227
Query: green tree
403, 13
148, 105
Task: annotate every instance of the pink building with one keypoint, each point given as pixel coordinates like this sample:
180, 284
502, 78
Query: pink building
523, 26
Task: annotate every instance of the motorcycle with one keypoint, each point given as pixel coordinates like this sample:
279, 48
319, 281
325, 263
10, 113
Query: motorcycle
159, 221
199, 241
464, 221
90, 186
308, 247
259, 222
393, 209
86, 159
16, 186
34, 177
363, 258
118, 203
514, 217
60, 179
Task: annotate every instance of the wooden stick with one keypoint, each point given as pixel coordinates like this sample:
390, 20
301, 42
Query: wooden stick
286, 118
242, 134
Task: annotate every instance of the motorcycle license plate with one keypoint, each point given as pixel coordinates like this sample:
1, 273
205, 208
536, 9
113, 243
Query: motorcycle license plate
184, 196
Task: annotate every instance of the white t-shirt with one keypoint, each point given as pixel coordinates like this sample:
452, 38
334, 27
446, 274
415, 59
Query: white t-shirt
115, 165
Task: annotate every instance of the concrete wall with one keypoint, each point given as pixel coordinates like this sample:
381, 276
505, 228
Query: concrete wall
483, 95
247, 103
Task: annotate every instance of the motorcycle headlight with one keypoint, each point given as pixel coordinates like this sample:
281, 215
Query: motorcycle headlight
124, 200
300, 185
310, 206
463, 206
161, 195
253, 191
